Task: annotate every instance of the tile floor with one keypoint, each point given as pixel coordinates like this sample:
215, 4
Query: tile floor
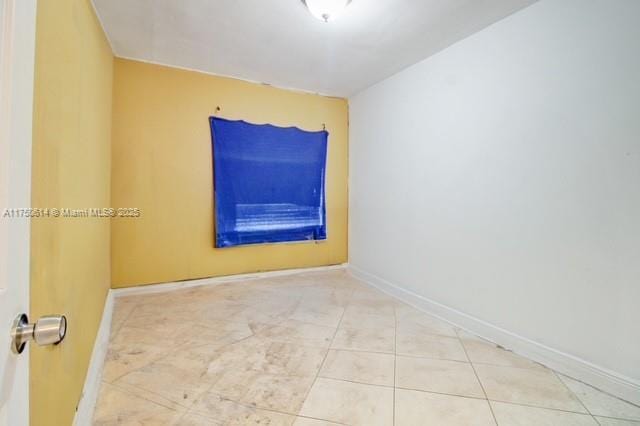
320, 349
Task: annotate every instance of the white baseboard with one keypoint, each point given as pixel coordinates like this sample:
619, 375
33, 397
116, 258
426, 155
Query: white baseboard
178, 285
84, 413
569, 365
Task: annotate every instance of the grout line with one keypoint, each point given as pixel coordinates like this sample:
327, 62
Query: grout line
356, 382
322, 420
126, 387
475, 398
250, 406
477, 377
404, 355
574, 394
599, 391
329, 348
506, 402
128, 391
154, 360
418, 390
634, 421
539, 369
169, 352
522, 404
165, 355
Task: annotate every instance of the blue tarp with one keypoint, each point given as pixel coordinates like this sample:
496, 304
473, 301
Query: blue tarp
268, 183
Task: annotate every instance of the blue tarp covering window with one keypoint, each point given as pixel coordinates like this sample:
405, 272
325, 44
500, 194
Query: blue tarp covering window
269, 183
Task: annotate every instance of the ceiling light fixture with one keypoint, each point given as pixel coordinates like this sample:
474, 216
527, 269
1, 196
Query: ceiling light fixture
326, 10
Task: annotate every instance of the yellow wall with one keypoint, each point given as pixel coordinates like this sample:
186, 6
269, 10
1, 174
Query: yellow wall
70, 258
162, 164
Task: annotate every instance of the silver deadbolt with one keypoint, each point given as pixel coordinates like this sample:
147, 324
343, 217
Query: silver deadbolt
48, 330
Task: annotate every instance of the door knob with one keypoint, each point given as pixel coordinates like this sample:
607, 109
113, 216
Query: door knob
48, 330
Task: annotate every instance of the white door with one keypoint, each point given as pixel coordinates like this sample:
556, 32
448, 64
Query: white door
17, 50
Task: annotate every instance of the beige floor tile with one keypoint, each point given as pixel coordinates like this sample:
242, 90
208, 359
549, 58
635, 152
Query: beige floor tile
423, 408
605, 421
224, 293
152, 396
434, 375
221, 311
116, 407
278, 358
131, 349
183, 324
179, 382
303, 421
263, 314
540, 388
301, 333
481, 351
122, 308
373, 302
520, 415
358, 318
214, 332
349, 403
288, 359
430, 346
318, 313
252, 352
213, 409
284, 394
382, 340
329, 296
363, 367
157, 310
338, 277
373, 307
370, 294
193, 419
412, 321
600, 403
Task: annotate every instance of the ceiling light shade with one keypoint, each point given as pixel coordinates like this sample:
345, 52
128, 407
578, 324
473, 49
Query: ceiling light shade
326, 10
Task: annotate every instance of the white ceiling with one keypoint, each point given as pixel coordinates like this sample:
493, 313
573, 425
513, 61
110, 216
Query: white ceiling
280, 43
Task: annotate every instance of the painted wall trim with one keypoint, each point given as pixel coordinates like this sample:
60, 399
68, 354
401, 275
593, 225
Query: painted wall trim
577, 368
89, 397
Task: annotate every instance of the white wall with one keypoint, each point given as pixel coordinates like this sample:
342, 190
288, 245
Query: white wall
501, 178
